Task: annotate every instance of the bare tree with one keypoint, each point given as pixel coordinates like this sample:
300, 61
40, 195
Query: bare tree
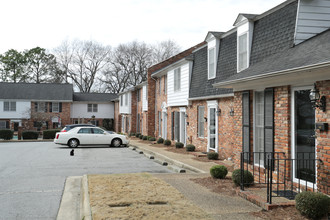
64, 54
165, 50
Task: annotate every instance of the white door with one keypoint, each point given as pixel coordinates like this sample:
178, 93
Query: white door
303, 136
164, 125
212, 126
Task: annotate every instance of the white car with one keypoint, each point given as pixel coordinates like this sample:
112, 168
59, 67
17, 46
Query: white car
89, 136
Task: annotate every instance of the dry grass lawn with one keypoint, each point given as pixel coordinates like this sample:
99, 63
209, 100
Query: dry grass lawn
138, 196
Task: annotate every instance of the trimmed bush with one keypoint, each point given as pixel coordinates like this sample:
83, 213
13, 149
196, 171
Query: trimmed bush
219, 171
190, 147
167, 142
6, 134
49, 134
212, 155
27, 135
141, 136
137, 135
145, 138
131, 134
248, 177
160, 141
314, 205
179, 145
152, 139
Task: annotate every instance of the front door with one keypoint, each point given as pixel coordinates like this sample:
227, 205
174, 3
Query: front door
183, 127
164, 124
303, 136
212, 126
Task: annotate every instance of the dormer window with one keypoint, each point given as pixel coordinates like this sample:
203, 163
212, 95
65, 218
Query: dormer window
177, 79
242, 52
211, 63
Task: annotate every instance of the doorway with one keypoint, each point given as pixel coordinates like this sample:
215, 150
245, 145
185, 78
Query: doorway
212, 126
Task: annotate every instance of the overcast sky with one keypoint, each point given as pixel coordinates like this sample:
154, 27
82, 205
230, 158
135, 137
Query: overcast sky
29, 23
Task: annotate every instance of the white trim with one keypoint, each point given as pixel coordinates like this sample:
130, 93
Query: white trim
247, 51
214, 48
212, 104
293, 146
212, 97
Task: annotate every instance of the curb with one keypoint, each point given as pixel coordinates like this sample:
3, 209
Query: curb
160, 157
85, 208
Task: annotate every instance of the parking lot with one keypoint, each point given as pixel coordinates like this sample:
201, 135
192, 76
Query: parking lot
33, 174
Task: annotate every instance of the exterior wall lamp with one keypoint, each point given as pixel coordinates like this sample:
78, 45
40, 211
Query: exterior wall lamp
231, 112
205, 119
218, 111
316, 100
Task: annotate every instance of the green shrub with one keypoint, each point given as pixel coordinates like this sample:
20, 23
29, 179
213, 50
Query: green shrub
6, 134
160, 141
248, 177
167, 142
151, 139
131, 134
141, 136
50, 134
179, 145
145, 138
314, 205
137, 135
212, 155
218, 171
30, 135
190, 147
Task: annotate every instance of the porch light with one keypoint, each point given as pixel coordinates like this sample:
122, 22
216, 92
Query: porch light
218, 111
316, 101
93, 116
205, 119
232, 112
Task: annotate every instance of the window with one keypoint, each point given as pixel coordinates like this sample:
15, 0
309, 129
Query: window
55, 107
211, 61
121, 100
85, 131
3, 125
259, 127
160, 85
9, 106
177, 79
126, 99
97, 131
200, 121
41, 107
91, 107
242, 52
165, 84
138, 96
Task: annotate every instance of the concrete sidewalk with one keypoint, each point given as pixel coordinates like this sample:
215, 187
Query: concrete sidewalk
217, 205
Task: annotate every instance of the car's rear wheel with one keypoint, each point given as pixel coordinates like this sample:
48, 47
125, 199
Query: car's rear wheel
73, 143
116, 142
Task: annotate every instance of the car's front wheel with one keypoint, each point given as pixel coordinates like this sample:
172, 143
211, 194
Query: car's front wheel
116, 142
73, 143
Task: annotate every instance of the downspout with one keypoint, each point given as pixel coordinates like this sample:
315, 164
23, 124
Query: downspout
155, 103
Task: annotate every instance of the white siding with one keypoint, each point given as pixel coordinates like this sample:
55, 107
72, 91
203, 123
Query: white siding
22, 110
313, 17
178, 98
104, 110
125, 109
144, 99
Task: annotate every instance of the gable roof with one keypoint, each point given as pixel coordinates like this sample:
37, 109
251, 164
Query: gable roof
241, 16
216, 34
315, 51
36, 91
94, 97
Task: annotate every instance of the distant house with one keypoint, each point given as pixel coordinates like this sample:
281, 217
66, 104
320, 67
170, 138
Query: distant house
39, 106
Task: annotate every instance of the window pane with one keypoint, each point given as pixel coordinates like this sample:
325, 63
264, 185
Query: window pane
126, 99
177, 79
6, 106
89, 108
242, 53
2, 124
85, 131
201, 121
211, 63
41, 107
94, 107
55, 106
97, 131
259, 127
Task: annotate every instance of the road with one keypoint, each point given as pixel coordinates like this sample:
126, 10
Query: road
33, 174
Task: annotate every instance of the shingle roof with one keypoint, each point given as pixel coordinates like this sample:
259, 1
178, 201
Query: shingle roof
94, 97
36, 91
311, 52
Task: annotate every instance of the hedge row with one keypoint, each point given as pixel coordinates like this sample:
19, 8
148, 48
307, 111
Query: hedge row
6, 134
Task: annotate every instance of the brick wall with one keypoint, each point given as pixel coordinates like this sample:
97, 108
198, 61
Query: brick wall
117, 118
133, 111
160, 99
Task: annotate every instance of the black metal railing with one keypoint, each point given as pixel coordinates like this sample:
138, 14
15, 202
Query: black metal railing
283, 177
258, 161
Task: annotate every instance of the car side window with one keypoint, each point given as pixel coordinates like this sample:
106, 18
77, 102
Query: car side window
85, 131
97, 131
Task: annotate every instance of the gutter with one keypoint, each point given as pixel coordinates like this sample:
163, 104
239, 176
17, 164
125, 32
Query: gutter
266, 75
212, 97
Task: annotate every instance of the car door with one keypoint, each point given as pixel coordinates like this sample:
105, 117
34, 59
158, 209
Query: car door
100, 136
85, 136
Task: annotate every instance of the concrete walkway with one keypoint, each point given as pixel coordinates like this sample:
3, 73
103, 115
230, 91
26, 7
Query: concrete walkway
217, 205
